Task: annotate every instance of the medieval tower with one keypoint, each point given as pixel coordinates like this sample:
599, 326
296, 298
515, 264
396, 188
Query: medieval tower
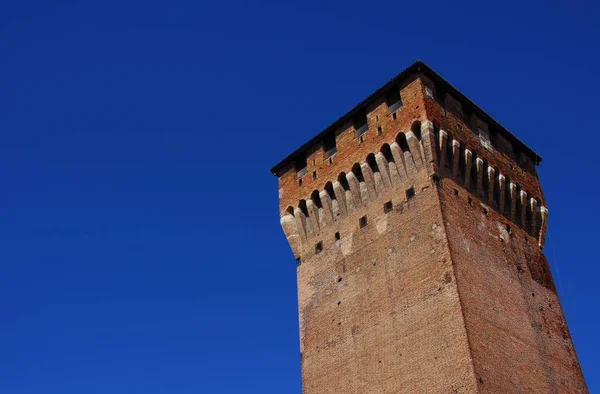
417, 222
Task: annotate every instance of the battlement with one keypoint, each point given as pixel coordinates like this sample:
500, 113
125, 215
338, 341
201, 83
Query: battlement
396, 168
386, 140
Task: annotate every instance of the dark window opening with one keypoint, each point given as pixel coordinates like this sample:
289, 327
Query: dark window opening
298, 261
329, 190
331, 160
361, 139
410, 193
316, 199
362, 222
394, 116
416, 129
473, 184
290, 210
319, 247
337, 236
372, 162
302, 206
401, 140
485, 181
300, 166
456, 192
507, 197
508, 228
386, 151
470, 201
314, 175
485, 211
343, 181
300, 182
360, 123
329, 145
393, 99
379, 130
387, 207
357, 171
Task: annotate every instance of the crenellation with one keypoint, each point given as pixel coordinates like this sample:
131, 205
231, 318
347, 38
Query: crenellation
491, 183
384, 170
369, 181
456, 160
523, 208
501, 192
443, 148
479, 183
513, 201
428, 143
468, 168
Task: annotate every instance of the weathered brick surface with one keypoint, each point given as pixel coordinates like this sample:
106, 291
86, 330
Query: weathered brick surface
447, 292
517, 332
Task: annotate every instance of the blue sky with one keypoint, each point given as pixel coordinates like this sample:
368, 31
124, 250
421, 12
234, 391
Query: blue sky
140, 247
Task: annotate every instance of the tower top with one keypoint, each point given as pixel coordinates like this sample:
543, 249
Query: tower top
443, 87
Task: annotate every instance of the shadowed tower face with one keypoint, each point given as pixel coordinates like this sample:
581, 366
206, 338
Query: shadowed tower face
417, 223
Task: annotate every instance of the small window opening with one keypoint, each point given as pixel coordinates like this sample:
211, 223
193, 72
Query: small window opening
337, 236
361, 139
401, 140
387, 207
343, 181
339, 279
329, 145
379, 130
362, 221
329, 190
360, 123
410, 193
314, 175
377, 118
485, 211
303, 208
300, 182
319, 247
298, 261
393, 99
416, 129
331, 160
316, 199
358, 172
394, 116
300, 166
508, 228
372, 162
470, 201
456, 192
387, 152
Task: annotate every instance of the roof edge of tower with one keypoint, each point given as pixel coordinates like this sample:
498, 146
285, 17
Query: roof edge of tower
418, 66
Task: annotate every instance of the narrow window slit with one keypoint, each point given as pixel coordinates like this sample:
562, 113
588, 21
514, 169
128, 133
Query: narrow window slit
362, 221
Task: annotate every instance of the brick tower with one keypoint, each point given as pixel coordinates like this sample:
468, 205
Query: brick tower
417, 222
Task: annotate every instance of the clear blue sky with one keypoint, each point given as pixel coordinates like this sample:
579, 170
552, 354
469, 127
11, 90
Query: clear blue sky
140, 247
